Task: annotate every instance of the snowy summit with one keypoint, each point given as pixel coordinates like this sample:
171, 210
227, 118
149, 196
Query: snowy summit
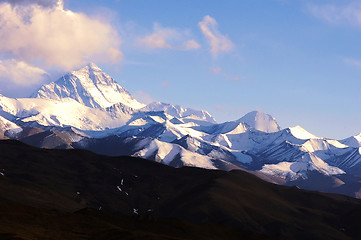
89, 86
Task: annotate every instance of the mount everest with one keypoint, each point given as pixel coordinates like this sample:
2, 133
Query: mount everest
88, 109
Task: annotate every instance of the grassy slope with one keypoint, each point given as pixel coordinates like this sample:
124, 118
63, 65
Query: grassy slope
233, 202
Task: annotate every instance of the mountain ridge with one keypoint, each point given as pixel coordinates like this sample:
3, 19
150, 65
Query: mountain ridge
73, 113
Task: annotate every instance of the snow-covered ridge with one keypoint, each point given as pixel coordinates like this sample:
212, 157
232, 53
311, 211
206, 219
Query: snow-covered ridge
300, 167
173, 154
96, 106
187, 114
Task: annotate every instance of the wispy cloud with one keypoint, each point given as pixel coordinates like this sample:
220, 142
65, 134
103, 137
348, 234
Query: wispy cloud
336, 14
165, 84
170, 38
219, 71
44, 32
219, 108
352, 62
217, 41
191, 44
216, 70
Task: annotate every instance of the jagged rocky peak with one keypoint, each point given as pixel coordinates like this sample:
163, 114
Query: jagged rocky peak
90, 86
261, 121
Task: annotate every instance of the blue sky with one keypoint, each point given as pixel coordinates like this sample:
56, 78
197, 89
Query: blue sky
298, 60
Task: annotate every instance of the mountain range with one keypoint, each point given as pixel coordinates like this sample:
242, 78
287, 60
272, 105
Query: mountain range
88, 109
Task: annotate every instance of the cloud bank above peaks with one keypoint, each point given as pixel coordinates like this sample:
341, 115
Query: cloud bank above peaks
46, 33
18, 77
18, 71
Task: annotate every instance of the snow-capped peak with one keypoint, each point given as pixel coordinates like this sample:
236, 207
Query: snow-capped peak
93, 67
260, 121
301, 133
90, 86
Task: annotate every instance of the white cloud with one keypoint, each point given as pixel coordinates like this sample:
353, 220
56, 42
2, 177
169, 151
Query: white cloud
219, 71
335, 14
20, 73
167, 38
217, 41
44, 32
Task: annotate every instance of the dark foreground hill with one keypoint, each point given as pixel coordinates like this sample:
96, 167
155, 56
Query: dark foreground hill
76, 194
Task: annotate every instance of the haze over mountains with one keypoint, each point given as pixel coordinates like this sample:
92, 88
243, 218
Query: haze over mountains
88, 109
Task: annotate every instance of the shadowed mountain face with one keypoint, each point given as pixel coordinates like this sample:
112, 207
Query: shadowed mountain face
125, 195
